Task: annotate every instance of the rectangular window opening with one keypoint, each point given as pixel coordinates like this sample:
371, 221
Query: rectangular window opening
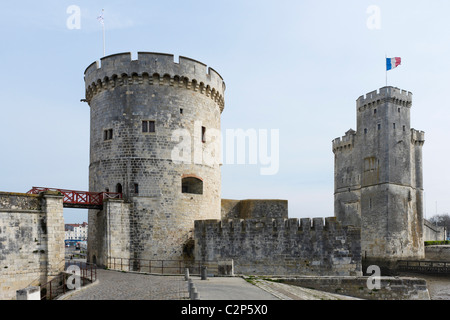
107, 134
148, 126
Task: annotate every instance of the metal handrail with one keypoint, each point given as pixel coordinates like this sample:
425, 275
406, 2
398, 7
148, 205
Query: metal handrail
58, 284
75, 197
157, 266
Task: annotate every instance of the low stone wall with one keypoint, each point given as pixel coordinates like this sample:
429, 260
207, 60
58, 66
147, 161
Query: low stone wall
390, 288
437, 253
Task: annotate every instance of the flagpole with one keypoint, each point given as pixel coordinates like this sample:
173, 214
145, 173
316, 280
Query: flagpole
103, 27
104, 52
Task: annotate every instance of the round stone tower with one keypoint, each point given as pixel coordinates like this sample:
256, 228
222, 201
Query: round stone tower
155, 138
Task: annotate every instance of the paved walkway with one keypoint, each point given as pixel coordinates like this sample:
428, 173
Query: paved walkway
116, 285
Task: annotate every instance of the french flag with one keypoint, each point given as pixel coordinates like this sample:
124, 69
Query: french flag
392, 63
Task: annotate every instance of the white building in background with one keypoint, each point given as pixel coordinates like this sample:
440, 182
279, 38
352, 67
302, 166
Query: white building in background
76, 231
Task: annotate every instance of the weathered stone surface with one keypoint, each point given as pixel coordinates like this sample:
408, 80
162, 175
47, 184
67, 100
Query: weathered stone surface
378, 177
281, 246
157, 218
31, 240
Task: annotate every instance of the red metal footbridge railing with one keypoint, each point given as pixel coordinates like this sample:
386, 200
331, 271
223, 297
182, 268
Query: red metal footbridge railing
80, 199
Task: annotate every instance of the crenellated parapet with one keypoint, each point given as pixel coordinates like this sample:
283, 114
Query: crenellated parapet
386, 94
153, 69
281, 246
345, 143
292, 225
417, 137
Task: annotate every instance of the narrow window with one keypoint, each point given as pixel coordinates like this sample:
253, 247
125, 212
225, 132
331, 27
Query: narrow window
107, 134
118, 188
370, 203
365, 131
394, 125
379, 126
148, 126
203, 134
398, 110
374, 111
144, 126
181, 111
404, 128
136, 188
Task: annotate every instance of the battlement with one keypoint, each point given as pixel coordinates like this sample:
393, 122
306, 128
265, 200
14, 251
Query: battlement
281, 246
417, 137
344, 143
153, 68
386, 94
263, 225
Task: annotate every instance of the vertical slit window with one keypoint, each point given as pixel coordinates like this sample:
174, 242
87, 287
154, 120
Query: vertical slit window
203, 134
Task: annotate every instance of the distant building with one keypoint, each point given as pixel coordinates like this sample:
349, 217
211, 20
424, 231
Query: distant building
76, 231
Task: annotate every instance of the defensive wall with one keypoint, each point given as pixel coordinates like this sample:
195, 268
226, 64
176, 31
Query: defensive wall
31, 240
267, 242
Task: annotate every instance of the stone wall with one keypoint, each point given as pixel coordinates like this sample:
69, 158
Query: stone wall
31, 240
438, 253
432, 232
254, 208
390, 288
281, 246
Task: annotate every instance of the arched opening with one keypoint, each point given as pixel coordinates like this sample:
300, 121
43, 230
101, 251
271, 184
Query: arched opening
118, 188
192, 185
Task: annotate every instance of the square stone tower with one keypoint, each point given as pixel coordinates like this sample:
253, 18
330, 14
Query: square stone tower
378, 178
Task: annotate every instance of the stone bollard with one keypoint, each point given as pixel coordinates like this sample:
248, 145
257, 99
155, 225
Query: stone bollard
190, 285
29, 293
204, 273
186, 274
194, 295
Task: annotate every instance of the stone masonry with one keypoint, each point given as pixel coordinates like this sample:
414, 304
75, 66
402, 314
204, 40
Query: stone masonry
378, 178
153, 127
260, 239
31, 240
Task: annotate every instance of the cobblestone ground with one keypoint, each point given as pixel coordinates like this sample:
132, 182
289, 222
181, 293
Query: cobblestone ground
116, 285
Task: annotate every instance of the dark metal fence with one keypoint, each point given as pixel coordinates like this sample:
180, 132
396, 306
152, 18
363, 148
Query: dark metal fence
161, 266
